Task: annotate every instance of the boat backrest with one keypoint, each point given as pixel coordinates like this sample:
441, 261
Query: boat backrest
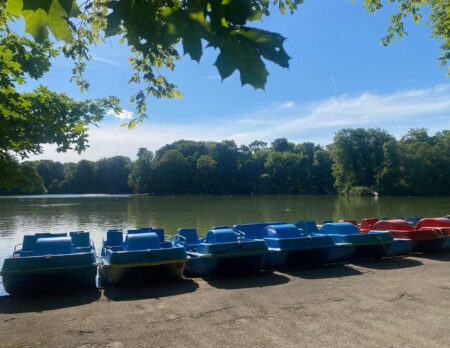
190, 236
160, 233
141, 241
341, 228
255, 231
282, 231
53, 246
433, 222
413, 220
29, 243
354, 222
220, 227
114, 238
80, 239
327, 222
392, 225
307, 226
140, 230
367, 223
221, 236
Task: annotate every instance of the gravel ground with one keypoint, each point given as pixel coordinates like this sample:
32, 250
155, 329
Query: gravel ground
390, 303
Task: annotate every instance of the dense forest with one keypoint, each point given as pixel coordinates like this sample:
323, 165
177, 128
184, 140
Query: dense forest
359, 161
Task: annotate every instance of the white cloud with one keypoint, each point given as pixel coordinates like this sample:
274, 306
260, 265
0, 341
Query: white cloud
315, 121
122, 115
288, 105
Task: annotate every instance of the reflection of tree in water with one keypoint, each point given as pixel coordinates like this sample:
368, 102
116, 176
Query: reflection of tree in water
389, 207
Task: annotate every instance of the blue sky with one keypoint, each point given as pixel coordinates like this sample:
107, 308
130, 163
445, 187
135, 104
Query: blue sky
340, 76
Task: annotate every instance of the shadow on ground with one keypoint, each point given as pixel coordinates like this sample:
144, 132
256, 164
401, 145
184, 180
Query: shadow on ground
155, 290
386, 264
321, 272
241, 281
48, 301
443, 255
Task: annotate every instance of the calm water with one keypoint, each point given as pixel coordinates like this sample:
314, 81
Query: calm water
21, 215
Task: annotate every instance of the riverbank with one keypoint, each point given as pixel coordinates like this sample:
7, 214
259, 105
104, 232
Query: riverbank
392, 303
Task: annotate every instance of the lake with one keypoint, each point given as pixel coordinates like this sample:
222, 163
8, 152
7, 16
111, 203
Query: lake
21, 215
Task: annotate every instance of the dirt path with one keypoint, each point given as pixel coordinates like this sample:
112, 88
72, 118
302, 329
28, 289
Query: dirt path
397, 303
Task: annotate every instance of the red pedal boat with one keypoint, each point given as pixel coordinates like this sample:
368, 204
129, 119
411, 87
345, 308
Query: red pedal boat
428, 235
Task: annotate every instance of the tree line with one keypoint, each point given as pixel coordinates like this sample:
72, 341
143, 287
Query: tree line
358, 162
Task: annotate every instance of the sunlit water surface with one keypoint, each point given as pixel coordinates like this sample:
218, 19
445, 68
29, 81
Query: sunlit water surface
21, 215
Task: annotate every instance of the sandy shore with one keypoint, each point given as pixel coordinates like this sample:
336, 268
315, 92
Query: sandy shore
395, 303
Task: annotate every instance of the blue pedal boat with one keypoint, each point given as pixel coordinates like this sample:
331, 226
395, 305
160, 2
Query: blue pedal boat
140, 255
222, 251
288, 245
350, 243
49, 261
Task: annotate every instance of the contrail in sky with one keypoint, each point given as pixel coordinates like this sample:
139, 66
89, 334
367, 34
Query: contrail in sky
332, 82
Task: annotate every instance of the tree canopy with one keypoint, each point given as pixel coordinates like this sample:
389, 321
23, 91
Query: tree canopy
359, 161
155, 31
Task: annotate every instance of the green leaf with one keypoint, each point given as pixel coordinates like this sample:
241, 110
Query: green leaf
243, 57
14, 7
112, 24
36, 23
177, 94
58, 21
132, 124
80, 128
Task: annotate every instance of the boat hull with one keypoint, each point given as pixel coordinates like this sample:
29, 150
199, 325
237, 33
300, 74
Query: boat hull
428, 245
116, 274
361, 246
341, 253
207, 265
48, 280
375, 251
402, 247
44, 273
296, 258
446, 243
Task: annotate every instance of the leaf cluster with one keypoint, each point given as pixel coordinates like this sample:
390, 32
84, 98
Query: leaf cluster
439, 20
29, 120
157, 31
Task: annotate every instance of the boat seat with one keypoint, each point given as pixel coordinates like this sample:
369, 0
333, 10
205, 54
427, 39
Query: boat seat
255, 231
433, 222
341, 228
282, 231
307, 226
114, 238
392, 225
50, 235
189, 237
141, 241
54, 246
221, 236
29, 241
80, 239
